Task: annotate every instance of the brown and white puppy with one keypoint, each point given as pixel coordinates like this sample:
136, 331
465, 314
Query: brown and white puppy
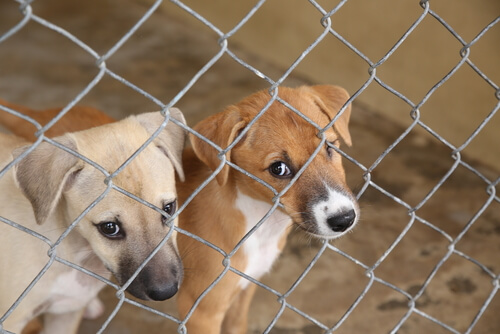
274, 149
49, 188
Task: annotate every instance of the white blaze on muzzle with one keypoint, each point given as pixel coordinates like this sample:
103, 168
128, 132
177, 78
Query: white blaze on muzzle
335, 215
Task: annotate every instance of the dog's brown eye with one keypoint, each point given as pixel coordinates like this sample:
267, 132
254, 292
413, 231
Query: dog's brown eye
280, 170
110, 230
170, 208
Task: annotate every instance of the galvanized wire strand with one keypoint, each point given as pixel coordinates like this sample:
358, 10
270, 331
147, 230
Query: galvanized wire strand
436, 321
226, 264
481, 266
26, 230
306, 269
20, 115
337, 35
253, 229
450, 171
152, 310
393, 245
333, 11
445, 235
353, 306
490, 199
304, 53
198, 75
134, 87
66, 34
485, 78
304, 315
63, 112
276, 317
394, 144
130, 32
11, 164
245, 19
121, 300
494, 291
199, 17
27, 12
478, 129
29, 287
250, 67
86, 272
403, 37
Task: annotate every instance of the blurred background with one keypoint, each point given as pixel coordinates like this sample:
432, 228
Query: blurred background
393, 249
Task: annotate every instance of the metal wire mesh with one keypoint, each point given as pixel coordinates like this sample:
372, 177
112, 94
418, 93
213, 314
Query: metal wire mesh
412, 299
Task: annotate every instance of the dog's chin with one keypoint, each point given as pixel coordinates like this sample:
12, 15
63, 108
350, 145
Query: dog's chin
334, 235
314, 231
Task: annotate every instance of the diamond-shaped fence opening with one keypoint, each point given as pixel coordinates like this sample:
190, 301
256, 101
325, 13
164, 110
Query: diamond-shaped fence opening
423, 257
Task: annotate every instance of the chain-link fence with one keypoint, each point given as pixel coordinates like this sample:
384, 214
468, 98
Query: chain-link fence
424, 256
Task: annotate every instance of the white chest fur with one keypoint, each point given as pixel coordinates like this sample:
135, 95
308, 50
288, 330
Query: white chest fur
72, 290
261, 248
69, 294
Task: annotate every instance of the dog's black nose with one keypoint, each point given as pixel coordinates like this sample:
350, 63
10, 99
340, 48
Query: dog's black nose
342, 221
162, 292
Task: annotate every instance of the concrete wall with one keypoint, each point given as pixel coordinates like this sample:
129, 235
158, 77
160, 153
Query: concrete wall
282, 29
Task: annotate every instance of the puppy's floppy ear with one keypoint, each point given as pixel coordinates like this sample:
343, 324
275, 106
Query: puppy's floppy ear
330, 100
221, 128
171, 140
45, 173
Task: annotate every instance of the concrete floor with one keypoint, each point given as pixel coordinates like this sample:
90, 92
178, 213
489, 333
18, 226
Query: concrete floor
39, 68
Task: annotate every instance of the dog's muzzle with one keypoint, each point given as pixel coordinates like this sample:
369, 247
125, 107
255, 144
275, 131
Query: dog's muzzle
158, 280
155, 284
333, 215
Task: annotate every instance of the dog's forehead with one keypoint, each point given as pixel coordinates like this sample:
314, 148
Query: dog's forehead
149, 172
112, 144
282, 122
296, 101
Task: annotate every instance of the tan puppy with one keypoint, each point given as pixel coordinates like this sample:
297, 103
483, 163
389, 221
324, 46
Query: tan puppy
275, 147
49, 188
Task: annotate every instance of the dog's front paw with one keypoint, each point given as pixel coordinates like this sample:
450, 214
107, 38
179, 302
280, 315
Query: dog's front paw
94, 309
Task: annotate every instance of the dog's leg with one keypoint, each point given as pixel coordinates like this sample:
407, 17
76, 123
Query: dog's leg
209, 314
206, 319
65, 323
236, 319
